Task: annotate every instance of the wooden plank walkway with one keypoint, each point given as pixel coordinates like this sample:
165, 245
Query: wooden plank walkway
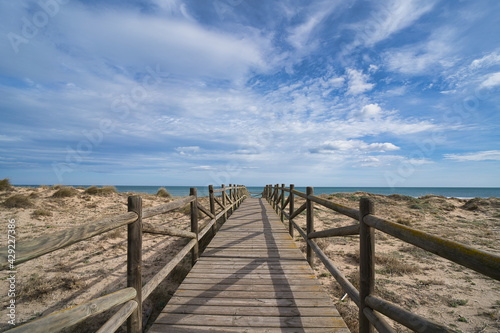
251, 278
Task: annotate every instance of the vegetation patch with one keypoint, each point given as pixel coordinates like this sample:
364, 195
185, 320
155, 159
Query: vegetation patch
163, 193
103, 191
65, 192
18, 201
41, 212
5, 185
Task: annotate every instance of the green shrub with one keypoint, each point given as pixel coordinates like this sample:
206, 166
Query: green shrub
163, 193
5, 184
18, 201
65, 192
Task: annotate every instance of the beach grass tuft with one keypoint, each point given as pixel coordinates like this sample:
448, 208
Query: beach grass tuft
163, 193
5, 184
18, 201
65, 192
103, 191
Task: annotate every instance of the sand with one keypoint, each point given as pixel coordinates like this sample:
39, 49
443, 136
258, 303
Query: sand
421, 282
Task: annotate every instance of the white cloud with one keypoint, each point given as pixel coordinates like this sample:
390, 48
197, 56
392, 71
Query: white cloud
420, 58
369, 111
391, 18
358, 82
353, 146
203, 167
301, 36
373, 68
188, 150
493, 80
488, 155
487, 61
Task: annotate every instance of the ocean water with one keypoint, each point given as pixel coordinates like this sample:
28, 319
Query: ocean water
457, 192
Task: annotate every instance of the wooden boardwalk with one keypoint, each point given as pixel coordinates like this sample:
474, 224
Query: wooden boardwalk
251, 278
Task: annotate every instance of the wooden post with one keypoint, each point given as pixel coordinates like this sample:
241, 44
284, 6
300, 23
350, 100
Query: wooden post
224, 202
212, 206
194, 224
282, 202
276, 197
230, 198
134, 262
366, 262
290, 210
310, 225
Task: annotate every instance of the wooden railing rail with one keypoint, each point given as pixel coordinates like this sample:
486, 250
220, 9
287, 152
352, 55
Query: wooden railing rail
480, 261
134, 295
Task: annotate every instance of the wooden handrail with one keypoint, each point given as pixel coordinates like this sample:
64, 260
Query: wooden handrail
407, 318
59, 320
161, 209
119, 317
30, 249
480, 261
135, 294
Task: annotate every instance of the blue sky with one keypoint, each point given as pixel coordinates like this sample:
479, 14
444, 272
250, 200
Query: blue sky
322, 93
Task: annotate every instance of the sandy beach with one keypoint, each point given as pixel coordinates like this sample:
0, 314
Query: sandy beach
419, 281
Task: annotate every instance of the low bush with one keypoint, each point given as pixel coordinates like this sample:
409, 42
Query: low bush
65, 192
5, 184
163, 193
104, 191
18, 201
41, 212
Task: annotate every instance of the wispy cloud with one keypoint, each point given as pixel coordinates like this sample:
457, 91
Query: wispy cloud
391, 17
488, 155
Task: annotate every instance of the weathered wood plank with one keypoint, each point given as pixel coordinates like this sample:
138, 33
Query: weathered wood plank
57, 321
255, 321
266, 302
253, 287
197, 329
253, 311
248, 294
118, 318
30, 249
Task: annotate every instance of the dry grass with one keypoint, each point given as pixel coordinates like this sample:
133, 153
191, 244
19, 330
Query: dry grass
103, 191
37, 287
18, 201
5, 184
65, 192
40, 213
163, 193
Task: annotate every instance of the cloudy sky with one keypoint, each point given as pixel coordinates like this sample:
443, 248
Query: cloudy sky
322, 93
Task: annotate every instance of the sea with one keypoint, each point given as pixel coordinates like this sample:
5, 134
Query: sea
255, 191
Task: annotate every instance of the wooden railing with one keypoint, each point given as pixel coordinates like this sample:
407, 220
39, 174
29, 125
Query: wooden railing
132, 297
480, 261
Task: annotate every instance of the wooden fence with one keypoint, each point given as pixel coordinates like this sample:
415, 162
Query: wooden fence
480, 261
130, 298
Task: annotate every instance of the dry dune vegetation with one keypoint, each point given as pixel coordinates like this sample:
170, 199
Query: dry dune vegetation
419, 281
